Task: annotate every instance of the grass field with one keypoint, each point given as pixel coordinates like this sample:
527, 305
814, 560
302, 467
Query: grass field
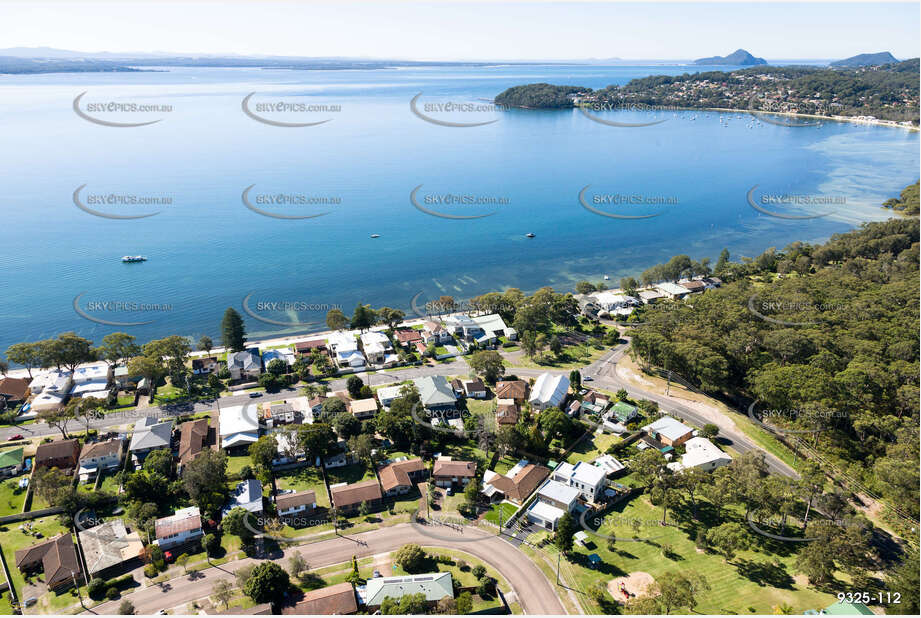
590, 448
503, 509
353, 473
754, 582
235, 463
505, 463
11, 497
573, 357
13, 539
304, 479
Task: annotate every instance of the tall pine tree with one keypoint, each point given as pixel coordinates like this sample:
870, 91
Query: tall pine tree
233, 332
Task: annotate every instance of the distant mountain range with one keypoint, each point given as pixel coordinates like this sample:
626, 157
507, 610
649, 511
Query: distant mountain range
866, 60
739, 58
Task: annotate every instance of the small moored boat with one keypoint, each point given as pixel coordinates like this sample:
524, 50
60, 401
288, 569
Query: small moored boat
529, 235
133, 258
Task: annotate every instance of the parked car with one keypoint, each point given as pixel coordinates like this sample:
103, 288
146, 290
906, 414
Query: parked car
18, 436
254, 395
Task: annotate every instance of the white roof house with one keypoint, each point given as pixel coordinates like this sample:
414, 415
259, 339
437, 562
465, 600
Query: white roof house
91, 373
435, 586
549, 390
48, 401
495, 325
91, 388
701, 453
669, 428
672, 290
608, 463
345, 347
545, 514
558, 492
283, 354
387, 394
53, 381
585, 477
650, 296
376, 341
247, 495
239, 425
610, 300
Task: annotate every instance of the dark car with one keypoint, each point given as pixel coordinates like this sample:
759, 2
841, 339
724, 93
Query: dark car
254, 395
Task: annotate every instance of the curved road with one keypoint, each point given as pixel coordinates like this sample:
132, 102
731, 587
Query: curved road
532, 589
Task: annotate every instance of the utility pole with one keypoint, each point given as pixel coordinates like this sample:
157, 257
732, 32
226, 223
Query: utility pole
559, 556
77, 587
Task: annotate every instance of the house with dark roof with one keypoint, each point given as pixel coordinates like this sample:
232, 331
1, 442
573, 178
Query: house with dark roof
507, 411
13, 390
448, 472
349, 497
56, 558
194, 437
335, 600
184, 526
204, 366
98, 457
248, 495
513, 389
63, 454
244, 365
296, 503
307, 347
518, 484
399, 477
694, 286
469, 388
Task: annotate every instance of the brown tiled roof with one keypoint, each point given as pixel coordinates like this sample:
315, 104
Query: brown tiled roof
457, 384
420, 347
514, 389
193, 435
263, 609
101, 449
454, 468
694, 286
58, 557
200, 363
507, 413
356, 493
316, 401
434, 327
523, 484
300, 498
14, 388
397, 474
408, 335
167, 526
310, 345
337, 599
56, 450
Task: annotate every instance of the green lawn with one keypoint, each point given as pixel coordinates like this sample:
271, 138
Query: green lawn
506, 463
235, 463
13, 539
463, 451
504, 509
353, 473
11, 497
304, 479
573, 357
593, 446
756, 578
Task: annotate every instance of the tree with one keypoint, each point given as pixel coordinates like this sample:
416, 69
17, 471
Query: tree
622, 394
126, 608
363, 317
555, 423
57, 418
411, 558
268, 582
353, 385
183, 561
239, 522
174, 349
233, 331
161, 462
333, 407
205, 480
345, 423
86, 410
117, 348
148, 367
709, 431
28, 355
222, 591
727, 539
52, 486
575, 380
447, 605
556, 346
629, 285
565, 529
205, 344
673, 591
584, 287
479, 571
529, 343
277, 367
262, 452
4, 367
144, 516
70, 350
390, 317
336, 320
317, 440
487, 363
362, 445
464, 603
296, 565
211, 543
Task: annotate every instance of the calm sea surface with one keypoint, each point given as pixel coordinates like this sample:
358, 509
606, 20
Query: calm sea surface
208, 251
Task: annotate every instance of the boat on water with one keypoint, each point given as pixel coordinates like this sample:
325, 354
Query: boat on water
133, 258
529, 235
606, 278
375, 235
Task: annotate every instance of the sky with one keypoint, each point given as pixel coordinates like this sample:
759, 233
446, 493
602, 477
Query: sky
473, 30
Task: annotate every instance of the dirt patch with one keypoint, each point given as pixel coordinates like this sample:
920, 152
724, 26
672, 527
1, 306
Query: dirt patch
635, 584
801, 581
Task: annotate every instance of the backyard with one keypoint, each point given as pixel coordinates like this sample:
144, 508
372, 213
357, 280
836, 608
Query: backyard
304, 479
11, 497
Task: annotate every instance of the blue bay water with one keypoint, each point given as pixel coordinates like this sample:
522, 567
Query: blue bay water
207, 251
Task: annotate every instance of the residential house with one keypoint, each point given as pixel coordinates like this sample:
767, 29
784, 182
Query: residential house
408, 337
110, 548
47, 401
98, 389
124, 380
702, 454
363, 408
669, 431
712, 282
341, 458
615, 301
307, 347
54, 381
474, 388
554, 499
184, 526
695, 286
204, 366
279, 414
447, 472
194, 438
435, 587
387, 394
378, 349
99, 372
285, 355
672, 290
149, 435
56, 558
507, 412
349, 497
247, 495
588, 479
436, 332
335, 600
287, 447
436, 395
574, 408
493, 327
622, 413
11, 462
238, 426
400, 476
97, 457
63, 454
513, 389
549, 391
651, 296
13, 391
517, 484
609, 464
344, 350
296, 503
244, 365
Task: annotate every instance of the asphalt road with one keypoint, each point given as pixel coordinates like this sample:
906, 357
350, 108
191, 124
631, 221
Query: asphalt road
532, 589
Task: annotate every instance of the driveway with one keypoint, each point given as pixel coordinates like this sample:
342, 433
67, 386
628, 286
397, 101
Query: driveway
535, 593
